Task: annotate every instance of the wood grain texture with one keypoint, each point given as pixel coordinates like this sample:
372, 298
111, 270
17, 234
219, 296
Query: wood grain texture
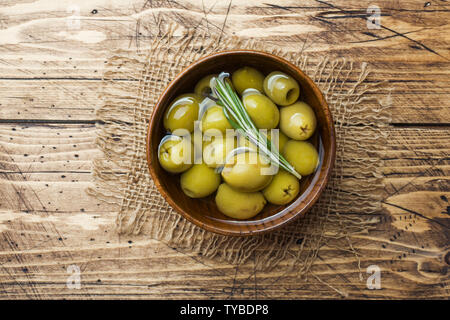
49, 76
48, 224
41, 42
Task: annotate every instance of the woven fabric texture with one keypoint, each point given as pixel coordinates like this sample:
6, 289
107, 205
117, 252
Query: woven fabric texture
133, 84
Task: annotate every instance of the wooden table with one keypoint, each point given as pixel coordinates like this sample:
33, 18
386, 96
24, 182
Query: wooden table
50, 70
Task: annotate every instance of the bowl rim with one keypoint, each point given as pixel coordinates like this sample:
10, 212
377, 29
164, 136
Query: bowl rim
328, 163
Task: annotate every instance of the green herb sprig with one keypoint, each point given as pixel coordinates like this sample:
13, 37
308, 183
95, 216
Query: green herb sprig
238, 117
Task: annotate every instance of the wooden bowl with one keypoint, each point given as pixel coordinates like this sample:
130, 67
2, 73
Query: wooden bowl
203, 212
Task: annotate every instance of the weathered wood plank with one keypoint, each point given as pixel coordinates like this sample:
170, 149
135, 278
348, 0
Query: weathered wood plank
38, 244
78, 99
39, 42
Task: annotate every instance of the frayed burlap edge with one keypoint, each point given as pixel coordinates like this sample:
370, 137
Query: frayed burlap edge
132, 85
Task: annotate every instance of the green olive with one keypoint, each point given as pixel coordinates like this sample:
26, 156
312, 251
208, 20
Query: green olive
281, 88
263, 112
247, 172
176, 154
199, 181
202, 88
214, 118
239, 205
247, 77
298, 121
182, 113
198, 145
282, 139
283, 188
243, 142
302, 156
216, 151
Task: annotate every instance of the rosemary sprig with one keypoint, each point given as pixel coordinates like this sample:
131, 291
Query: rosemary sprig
240, 120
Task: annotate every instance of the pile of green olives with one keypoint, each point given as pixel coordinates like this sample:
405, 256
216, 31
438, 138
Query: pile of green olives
211, 157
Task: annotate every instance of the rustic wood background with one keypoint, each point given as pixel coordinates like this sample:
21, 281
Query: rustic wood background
51, 59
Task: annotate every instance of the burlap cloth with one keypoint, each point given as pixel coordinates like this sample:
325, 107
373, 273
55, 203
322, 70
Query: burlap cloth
132, 85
